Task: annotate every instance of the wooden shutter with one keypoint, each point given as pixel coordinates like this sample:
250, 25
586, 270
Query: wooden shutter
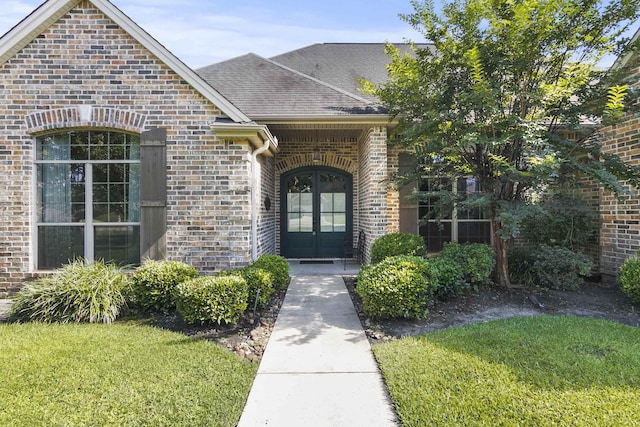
408, 208
153, 194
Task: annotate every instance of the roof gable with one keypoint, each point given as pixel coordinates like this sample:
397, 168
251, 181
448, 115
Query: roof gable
52, 10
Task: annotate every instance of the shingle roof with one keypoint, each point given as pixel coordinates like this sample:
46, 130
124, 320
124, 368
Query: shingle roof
321, 79
342, 64
263, 88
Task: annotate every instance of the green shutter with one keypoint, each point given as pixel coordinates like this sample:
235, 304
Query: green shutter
153, 194
408, 208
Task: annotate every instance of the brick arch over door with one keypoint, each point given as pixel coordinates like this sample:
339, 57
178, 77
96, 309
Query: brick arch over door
85, 116
306, 159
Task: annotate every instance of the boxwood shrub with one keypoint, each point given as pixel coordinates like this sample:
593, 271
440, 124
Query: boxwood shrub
394, 244
277, 266
447, 277
396, 287
477, 260
154, 284
219, 299
77, 292
629, 278
257, 279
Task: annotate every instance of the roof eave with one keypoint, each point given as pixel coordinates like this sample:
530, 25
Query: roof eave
373, 119
256, 134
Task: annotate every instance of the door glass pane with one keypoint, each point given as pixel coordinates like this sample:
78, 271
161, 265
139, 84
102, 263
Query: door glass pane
326, 202
57, 245
118, 244
306, 222
326, 222
340, 202
339, 223
306, 202
300, 204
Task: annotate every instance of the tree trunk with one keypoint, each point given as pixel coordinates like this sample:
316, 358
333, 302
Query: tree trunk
500, 246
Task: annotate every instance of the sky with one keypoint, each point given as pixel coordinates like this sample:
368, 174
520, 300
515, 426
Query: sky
203, 32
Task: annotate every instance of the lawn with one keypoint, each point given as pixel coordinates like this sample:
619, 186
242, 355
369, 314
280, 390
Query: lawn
124, 375
538, 371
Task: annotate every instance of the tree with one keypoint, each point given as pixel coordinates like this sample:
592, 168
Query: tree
498, 95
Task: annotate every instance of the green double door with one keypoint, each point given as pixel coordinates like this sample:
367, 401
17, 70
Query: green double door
316, 212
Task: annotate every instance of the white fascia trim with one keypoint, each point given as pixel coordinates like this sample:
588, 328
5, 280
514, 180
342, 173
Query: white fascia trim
622, 61
257, 134
52, 10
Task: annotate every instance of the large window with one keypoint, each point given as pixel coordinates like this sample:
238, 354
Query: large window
459, 225
88, 197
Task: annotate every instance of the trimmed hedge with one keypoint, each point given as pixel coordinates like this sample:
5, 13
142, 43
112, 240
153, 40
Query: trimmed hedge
154, 284
220, 299
396, 287
395, 244
448, 278
257, 279
77, 292
477, 260
277, 266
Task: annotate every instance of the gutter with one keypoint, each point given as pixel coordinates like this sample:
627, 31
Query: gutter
254, 197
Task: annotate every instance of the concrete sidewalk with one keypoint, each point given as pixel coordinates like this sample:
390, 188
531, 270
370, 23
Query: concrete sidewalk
318, 368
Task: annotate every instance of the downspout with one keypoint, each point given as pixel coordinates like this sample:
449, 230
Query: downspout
254, 197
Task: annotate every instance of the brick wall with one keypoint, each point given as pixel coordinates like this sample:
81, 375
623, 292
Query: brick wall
620, 219
372, 199
85, 59
267, 219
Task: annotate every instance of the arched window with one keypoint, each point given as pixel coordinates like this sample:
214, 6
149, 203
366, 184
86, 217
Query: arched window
88, 197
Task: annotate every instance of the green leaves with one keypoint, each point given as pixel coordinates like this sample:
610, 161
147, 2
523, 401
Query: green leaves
614, 108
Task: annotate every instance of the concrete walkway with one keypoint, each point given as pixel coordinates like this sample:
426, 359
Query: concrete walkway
318, 368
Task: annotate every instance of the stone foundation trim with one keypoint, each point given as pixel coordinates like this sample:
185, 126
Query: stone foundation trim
83, 116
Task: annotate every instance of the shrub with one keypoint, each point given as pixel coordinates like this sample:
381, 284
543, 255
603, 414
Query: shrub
257, 279
396, 287
212, 299
154, 284
476, 260
77, 292
277, 266
563, 220
559, 268
521, 261
395, 244
629, 278
447, 277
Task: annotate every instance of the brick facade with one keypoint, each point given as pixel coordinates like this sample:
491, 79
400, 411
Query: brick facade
85, 71
620, 219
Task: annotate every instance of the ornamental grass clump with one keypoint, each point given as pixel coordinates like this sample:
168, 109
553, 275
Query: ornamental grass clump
77, 292
396, 287
154, 284
219, 299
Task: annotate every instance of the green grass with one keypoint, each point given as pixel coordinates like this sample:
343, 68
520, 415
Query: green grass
72, 375
539, 371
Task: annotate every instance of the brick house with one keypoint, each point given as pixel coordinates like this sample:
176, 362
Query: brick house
112, 148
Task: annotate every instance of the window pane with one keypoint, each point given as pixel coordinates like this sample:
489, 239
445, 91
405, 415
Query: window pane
53, 147
474, 232
435, 237
326, 222
293, 220
118, 198
60, 192
340, 202
57, 245
120, 245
